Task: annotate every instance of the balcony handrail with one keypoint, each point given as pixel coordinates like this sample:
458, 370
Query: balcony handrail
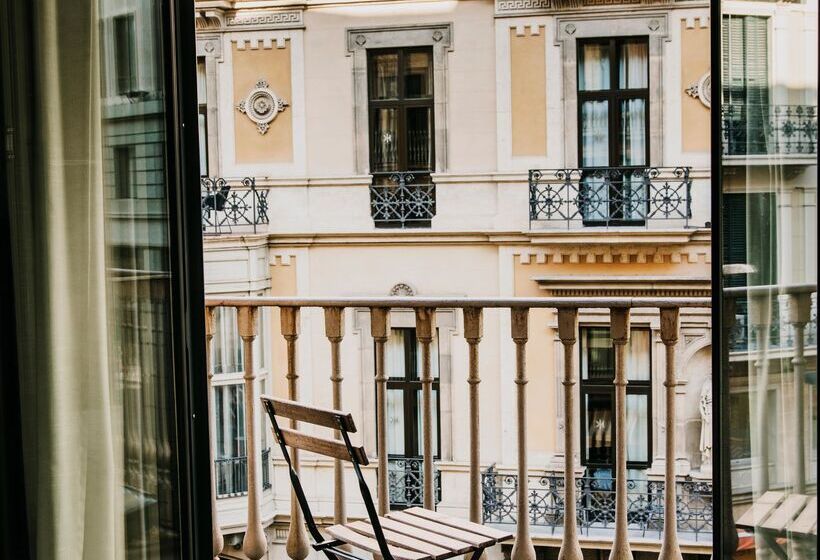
610, 195
416, 302
773, 129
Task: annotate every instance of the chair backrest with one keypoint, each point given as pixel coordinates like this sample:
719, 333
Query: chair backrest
344, 450
326, 417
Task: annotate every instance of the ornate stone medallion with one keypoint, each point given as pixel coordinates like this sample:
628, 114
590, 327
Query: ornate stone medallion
702, 89
262, 105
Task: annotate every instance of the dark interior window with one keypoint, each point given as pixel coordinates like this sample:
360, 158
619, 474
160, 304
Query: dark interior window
124, 54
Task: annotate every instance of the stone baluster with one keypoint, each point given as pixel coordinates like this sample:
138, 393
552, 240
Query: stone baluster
473, 331
670, 549
334, 330
296, 546
425, 330
760, 317
519, 322
218, 539
254, 544
379, 327
799, 313
619, 330
567, 332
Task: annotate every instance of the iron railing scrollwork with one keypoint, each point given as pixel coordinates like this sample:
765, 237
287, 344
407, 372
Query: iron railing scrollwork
778, 334
406, 482
605, 196
402, 199
595, 503
229, 208
762, 129
231, 475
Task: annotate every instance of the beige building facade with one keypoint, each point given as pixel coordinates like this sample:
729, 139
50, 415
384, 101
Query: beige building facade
293, 96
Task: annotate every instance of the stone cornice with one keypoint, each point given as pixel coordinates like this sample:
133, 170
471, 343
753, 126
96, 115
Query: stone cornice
673, 246
515, 8
624, 286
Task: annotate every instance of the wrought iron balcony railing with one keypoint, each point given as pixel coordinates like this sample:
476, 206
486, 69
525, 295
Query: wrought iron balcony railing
406, 482
231, 475
229, 208
402, 199
759, 129
609, 196
595, 503
774, 331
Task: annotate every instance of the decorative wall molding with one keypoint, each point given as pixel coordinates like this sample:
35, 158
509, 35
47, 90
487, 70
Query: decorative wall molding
624, 286
702, 90
265, 20
507, 8
218, 19
590, 254
402, 289
261, 105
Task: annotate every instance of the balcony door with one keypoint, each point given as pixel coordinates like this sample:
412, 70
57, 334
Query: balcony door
103, 403
613, 124
404, 416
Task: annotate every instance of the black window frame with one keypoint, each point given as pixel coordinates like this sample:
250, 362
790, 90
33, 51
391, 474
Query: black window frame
401, 104
411, 386
603, 386
613, 96
125, 65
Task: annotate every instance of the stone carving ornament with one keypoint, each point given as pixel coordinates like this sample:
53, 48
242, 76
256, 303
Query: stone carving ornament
702, 89
262, 105
705, 406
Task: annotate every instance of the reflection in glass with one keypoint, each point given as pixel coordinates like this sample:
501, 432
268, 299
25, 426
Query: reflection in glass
385, 140
418, 75
419, 148
385, 77
769, 279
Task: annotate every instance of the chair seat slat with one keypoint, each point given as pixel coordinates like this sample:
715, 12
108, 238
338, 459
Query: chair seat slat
760, 510
437, 517
426, 536
807, 520
438, 528
370, 545
403, 541
785, 513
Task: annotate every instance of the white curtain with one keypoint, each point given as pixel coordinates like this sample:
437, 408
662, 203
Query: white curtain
638, 362
637, 428
594, 62
633, 132
633, 69
227, 346
71, 396
395, 364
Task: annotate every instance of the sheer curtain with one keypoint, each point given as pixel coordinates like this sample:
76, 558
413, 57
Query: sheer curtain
71, 404
395, 399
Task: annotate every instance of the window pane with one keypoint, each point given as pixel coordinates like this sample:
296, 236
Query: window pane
598, 356
593, 67
639, 365
419, 423
124, 51
123, 172
419, 125
203, 144
385, 140
229, 410
226, 347
633, 66
395, 422
418, 75
395, 358
600, 432
201, 89
769, 270
633, 132
595, 133
637, 428
385, 78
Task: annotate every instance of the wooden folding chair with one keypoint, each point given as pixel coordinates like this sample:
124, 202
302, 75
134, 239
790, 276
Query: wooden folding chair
412, 534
